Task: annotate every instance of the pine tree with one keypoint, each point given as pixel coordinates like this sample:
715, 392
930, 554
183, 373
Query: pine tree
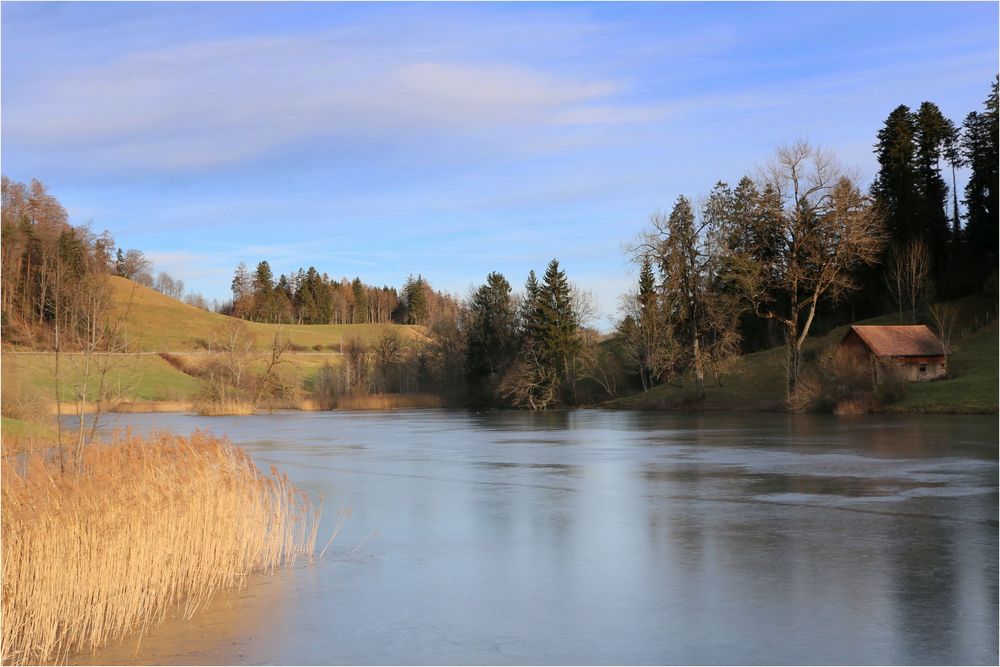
648, 323
558, 326
415, 296
263, 294
895, 188
980, 150
360, 312
491, 336
933, 132
242, 287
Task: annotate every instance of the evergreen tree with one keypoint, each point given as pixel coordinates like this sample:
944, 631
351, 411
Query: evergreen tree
359, 314
980, 151
933, 131
242, 287
415, 296
119, 263
263, 294
895, 188
557, 329
491, 336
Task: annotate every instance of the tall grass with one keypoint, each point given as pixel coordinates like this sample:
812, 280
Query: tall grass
389, 401
149, 524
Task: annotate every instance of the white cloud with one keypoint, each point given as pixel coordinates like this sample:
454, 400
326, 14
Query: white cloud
227, 101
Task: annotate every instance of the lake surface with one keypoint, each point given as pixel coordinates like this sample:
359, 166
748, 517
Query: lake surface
596, 537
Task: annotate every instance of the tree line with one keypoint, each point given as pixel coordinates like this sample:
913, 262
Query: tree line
310, 297
918, 150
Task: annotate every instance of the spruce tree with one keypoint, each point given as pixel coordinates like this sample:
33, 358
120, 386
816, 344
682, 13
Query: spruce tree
558, 325
263, 294
980, 150
895, 187
491, 336
360, 314
933, 132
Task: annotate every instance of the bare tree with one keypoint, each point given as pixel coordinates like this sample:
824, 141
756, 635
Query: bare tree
268, 381
698, 312
133, 264
810, 227
907, 276
944, 319
98, 338
599, 363
530, 382
355, 366
388, 358
651, 350
228, 373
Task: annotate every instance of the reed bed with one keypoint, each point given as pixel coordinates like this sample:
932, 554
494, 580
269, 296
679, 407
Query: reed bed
222, 408
147, 525
389, 401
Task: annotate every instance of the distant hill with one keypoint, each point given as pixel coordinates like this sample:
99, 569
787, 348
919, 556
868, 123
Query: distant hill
159, 323
757, 380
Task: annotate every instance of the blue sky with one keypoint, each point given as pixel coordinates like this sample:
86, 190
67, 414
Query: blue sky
448, 139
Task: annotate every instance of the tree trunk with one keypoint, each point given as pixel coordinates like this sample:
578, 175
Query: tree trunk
699, 371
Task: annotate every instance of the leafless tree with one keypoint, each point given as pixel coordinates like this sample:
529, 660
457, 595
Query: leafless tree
388, 358
812, 226
355, 366
650, 347
696, 310
268, 381
944, 319
98, 339
599, 363
530, 383
907, 275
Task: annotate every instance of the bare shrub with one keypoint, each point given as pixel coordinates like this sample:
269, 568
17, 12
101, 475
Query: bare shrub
846, 382
327, 387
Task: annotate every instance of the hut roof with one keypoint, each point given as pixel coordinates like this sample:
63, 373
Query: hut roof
900, 341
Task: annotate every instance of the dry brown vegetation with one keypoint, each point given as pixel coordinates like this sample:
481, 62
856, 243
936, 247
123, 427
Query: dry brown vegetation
146, 525
389, 401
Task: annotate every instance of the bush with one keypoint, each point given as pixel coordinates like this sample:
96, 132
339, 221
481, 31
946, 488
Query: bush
846, 382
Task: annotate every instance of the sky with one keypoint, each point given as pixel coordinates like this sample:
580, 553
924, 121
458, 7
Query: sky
448, 140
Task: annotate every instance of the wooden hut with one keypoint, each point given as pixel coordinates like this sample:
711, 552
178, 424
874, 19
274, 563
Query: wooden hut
914, 350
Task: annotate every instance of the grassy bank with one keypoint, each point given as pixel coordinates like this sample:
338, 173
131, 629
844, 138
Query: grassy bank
757, 381
972, 383
146, 525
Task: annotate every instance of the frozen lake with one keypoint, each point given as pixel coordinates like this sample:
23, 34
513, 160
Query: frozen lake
596, 537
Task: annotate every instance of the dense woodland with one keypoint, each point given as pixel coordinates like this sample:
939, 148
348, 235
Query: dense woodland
793, 250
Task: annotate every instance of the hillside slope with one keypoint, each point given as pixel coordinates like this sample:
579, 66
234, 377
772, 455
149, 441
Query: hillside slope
160, 323
757, 380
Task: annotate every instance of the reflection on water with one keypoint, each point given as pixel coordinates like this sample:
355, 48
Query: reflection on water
598, 537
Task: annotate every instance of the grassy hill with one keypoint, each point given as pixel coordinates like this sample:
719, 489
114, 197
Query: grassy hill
160, 323
757, 381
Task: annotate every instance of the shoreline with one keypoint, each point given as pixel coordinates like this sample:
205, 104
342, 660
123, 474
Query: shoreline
427, 402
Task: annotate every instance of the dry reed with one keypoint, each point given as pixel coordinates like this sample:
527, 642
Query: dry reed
389, 401
221, 408
149, 524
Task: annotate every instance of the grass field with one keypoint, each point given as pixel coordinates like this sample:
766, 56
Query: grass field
143, 377
160, 323
972, 386
757, 381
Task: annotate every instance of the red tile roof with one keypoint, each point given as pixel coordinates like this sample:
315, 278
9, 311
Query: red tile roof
899, 341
